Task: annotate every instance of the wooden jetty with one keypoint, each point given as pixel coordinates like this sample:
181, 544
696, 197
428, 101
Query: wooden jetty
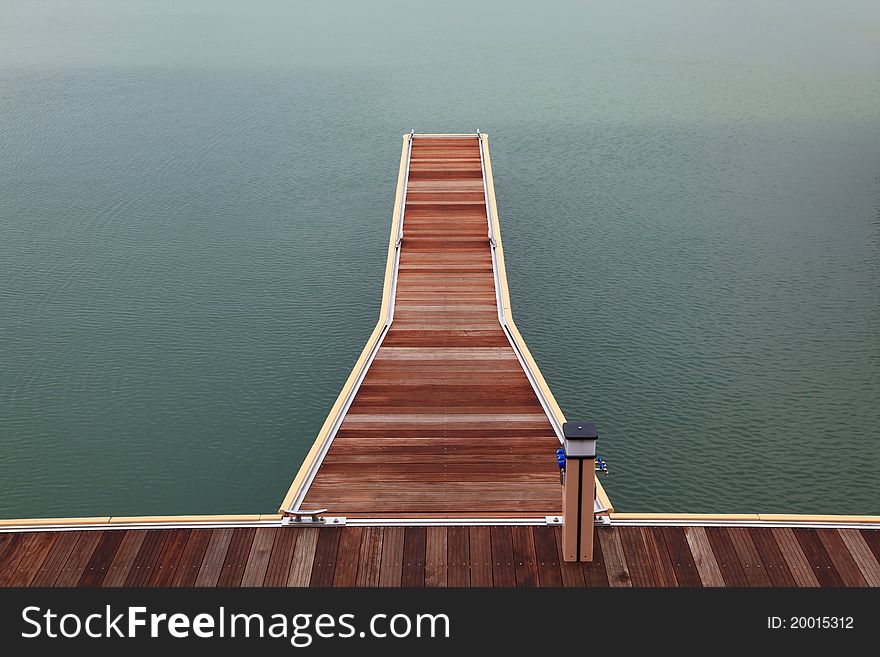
435, 465
446, 413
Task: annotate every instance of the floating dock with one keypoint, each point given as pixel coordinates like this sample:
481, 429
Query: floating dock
435, 465
446, 413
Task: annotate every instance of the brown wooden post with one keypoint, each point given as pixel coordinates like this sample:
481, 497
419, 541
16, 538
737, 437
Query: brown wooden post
579, 491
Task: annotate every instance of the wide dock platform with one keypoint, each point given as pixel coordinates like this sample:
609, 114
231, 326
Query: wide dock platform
497, 556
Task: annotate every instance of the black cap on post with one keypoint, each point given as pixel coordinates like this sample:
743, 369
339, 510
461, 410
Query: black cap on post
580, 440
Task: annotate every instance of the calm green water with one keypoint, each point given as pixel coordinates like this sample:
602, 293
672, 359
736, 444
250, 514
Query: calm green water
195, 199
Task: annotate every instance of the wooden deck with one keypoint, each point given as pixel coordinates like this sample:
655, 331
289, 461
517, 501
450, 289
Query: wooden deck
500, 556
445, 423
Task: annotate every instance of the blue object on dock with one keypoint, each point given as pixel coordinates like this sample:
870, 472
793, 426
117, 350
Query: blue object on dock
560, 458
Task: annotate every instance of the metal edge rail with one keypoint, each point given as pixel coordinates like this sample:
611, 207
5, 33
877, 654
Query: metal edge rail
527, 521
505, 316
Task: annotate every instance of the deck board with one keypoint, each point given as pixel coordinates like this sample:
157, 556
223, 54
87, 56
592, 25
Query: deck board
503, 568
280, 559
169, 557
191, 560
102, 557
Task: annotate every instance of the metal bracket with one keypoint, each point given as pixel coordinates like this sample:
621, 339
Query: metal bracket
313, 517
598, 509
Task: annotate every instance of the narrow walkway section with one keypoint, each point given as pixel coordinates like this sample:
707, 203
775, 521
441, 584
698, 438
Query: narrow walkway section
499, 556
445, 423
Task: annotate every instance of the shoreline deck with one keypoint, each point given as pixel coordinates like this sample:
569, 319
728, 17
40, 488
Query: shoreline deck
479, 556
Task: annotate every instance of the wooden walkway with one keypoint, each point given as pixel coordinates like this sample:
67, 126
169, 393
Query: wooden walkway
445, 423
500, 556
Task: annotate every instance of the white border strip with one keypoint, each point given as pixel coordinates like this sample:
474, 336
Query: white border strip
437, 522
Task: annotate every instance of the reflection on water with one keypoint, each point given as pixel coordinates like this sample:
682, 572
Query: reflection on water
194, 203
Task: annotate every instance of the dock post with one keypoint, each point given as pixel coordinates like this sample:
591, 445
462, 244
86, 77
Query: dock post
579, 491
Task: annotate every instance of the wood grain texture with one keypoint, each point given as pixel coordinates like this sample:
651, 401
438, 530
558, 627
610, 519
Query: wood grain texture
258, 557
303, 559
281, 558
704, 558
370, 558
191, 560
795, 560
101, 559
417, 556
391, 570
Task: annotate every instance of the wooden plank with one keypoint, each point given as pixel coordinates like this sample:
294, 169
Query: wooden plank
123, 560
54, 562
726, 556
326, 549
17, 549
636, 556
704, 558
236, 557
303, 560
258, 559
28, 556
281, 558
458, 556
682, 559
191, 561
147, 557
814, 551
5, 540
749, 559
572, 573
840, 556
391, 570
370, 560
169, 557
414, 554
480, 547
503, 567
547, 555
658, 558
867, 563
872, 538
78, 560
615, 559
595, 572
347, 556
525, 559
772, 557
215, 554
435, 557
794, 557
102, 557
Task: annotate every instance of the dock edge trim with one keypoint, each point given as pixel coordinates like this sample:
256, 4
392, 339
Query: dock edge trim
275, 520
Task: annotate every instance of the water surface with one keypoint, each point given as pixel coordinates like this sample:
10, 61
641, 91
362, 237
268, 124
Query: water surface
195, 199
